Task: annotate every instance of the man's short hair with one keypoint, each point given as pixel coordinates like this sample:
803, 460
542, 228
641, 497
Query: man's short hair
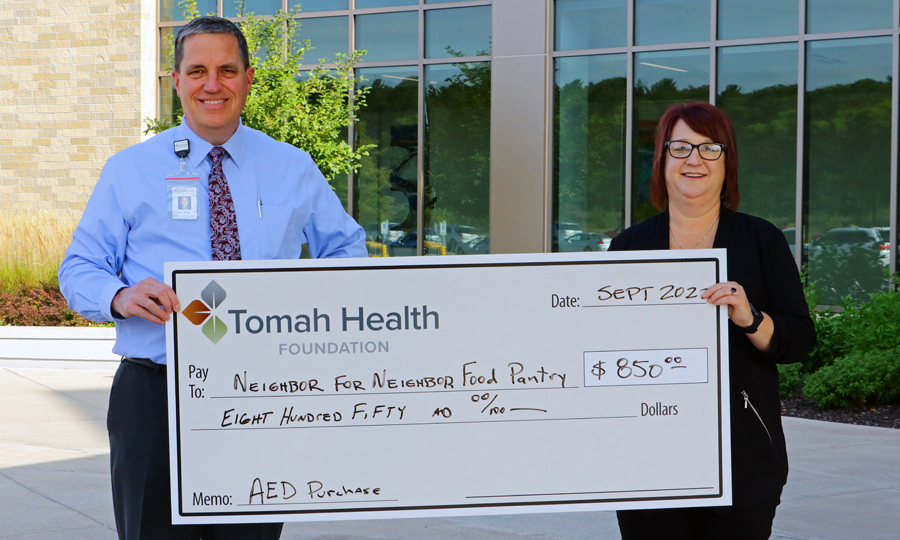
210, 25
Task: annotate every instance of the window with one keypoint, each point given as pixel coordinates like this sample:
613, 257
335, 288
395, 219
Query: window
589, 146
425, 185
811, 102
661, 80
848, 104
757, 87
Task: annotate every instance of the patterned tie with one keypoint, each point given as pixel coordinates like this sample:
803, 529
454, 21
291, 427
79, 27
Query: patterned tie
226, 245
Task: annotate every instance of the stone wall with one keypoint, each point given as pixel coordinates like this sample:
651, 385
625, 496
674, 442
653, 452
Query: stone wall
70, 97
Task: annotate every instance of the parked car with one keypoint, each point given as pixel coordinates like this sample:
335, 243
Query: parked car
846, 241
585, 241
885, 233
848, 261
479, 246
458, 234
564, 229
406, 246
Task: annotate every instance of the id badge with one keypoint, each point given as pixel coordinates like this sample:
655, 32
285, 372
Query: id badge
182, 196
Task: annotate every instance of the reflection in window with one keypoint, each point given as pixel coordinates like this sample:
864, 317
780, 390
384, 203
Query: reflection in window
844, 16
589, 151
341, 183
166, 44
241, 8
758, 89
662, 79
170, 10
740, 19
308, 6
387, 183
848, 127
403, 29
664, 21
589, 24
457, 156
458, 32
363, 4
169, 103
327, 35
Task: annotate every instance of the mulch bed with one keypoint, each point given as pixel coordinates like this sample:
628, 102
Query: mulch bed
887, 416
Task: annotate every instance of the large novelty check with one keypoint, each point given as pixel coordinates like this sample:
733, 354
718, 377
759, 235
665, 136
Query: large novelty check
345, 389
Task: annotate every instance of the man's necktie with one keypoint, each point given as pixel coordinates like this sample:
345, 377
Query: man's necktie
226, 245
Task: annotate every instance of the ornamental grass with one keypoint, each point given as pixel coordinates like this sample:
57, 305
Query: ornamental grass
32, 244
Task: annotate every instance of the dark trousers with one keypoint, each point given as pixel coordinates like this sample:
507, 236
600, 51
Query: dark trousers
714, 523
139, 453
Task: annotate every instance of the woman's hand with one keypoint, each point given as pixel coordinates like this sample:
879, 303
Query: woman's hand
731, 294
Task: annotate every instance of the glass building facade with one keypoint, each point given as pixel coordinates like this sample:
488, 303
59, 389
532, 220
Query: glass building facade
527, 125
424, 187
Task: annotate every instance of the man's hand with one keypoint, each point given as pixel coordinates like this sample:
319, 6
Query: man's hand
148, 299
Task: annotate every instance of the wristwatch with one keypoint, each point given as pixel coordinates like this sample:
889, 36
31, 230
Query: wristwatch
757, 320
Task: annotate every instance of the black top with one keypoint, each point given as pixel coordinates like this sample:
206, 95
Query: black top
760, 260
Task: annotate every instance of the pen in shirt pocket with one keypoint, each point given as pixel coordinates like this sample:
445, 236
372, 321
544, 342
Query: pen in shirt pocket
259, 206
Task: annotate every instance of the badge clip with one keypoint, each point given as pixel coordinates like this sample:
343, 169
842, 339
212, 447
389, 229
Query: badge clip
182, 149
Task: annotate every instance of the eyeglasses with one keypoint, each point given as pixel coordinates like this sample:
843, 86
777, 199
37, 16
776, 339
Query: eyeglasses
683, 149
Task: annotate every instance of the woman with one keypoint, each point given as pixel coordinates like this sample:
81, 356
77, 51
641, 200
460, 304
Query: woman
694, 182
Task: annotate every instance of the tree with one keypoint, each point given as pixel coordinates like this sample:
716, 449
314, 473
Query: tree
457, 143
308, 109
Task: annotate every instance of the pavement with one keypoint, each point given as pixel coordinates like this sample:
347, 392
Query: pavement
54, 476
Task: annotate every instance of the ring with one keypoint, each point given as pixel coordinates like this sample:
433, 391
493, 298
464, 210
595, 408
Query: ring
733, 290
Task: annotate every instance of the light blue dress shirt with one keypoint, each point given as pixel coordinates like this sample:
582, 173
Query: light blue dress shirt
281, 200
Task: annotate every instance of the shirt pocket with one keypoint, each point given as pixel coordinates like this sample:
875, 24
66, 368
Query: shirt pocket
281, 232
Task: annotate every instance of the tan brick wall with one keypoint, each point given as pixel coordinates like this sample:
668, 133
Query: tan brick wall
70, 97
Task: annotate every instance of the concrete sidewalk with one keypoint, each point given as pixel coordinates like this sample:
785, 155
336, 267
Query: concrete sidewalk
54, 477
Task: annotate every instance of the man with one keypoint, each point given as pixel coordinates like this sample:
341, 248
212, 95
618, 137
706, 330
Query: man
266, 199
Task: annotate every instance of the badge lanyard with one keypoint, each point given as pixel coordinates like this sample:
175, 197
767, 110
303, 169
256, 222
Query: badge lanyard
182, 188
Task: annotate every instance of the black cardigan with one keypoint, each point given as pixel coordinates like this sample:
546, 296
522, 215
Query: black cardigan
760, 260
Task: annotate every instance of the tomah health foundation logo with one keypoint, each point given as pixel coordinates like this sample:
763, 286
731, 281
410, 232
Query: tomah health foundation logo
201, 310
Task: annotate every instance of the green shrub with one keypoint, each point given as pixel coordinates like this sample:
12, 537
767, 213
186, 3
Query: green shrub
870, 326
828, 324
830, 339
875, 325
859, 378
790, 380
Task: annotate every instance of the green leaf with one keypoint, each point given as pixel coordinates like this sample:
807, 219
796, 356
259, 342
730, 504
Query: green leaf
215, 329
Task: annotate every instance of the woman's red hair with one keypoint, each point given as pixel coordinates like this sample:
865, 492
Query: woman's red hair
707, 120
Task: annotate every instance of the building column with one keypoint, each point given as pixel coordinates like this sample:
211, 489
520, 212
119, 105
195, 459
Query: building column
519, 208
